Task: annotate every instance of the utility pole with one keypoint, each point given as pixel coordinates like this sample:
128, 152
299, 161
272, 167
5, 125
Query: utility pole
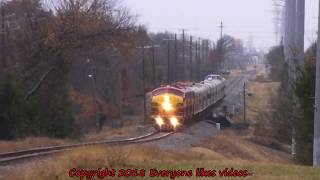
200, 49
183, 56
207, 51
93, 77
221, 45
3, 34
204, 49
144, 88
198, 59
175, 59
191, 54
196, 62
221, 30
316, 141
168, 63
143, 84
300, 15
143, 77
244, 103
291, 36
3, 46
153, 68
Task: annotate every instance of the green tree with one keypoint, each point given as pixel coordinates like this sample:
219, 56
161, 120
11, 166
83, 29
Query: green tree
304, 88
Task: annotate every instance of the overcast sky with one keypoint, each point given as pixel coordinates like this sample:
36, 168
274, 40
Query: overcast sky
242, 19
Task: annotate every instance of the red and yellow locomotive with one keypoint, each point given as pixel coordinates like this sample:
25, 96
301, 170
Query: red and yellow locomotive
172, 105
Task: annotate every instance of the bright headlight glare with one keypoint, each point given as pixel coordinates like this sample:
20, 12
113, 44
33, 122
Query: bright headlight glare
174, 121
159, 121
166, 105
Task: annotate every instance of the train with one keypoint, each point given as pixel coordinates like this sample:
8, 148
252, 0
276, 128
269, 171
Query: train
174, 105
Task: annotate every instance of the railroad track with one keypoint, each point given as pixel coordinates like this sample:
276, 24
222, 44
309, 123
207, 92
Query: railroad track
234, 83
10, 157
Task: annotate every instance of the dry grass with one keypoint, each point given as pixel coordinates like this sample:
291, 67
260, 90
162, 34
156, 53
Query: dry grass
131, 124
231, 145
31, 142
147, 157
99, 157
260, 101
259, 109
109, 133
104, 134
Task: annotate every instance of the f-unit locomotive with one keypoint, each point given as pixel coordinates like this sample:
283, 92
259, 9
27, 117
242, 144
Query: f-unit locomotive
173, 105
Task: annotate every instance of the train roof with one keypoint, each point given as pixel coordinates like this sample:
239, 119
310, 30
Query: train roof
181, 88
169, 89
214, 77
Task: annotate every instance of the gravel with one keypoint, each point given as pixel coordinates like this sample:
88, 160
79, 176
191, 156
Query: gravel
186, 138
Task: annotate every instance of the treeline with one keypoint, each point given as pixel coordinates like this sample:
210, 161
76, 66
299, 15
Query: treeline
69, 66
294, 105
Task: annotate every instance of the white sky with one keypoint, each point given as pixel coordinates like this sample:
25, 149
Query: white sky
242, 18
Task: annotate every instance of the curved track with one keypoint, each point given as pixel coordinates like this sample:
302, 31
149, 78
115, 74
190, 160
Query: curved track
10, 157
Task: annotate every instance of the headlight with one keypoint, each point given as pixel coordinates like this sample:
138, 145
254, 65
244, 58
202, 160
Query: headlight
174, 122
159, 121
166, 105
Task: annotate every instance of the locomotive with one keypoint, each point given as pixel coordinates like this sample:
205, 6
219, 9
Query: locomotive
173, 105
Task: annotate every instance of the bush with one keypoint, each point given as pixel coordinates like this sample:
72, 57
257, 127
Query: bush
14, 111
20, 118
304, 89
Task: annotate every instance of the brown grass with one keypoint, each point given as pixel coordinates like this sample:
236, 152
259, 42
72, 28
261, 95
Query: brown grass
109, 133
34, 142
99, 157
147, 157
260, 101
231, 145
31, 142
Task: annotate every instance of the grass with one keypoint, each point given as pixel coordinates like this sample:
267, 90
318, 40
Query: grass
30, 142
231, 145
34, 142
228, 149
260, 101
137, 157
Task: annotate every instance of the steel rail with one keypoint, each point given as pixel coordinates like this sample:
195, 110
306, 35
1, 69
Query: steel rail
10, 157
